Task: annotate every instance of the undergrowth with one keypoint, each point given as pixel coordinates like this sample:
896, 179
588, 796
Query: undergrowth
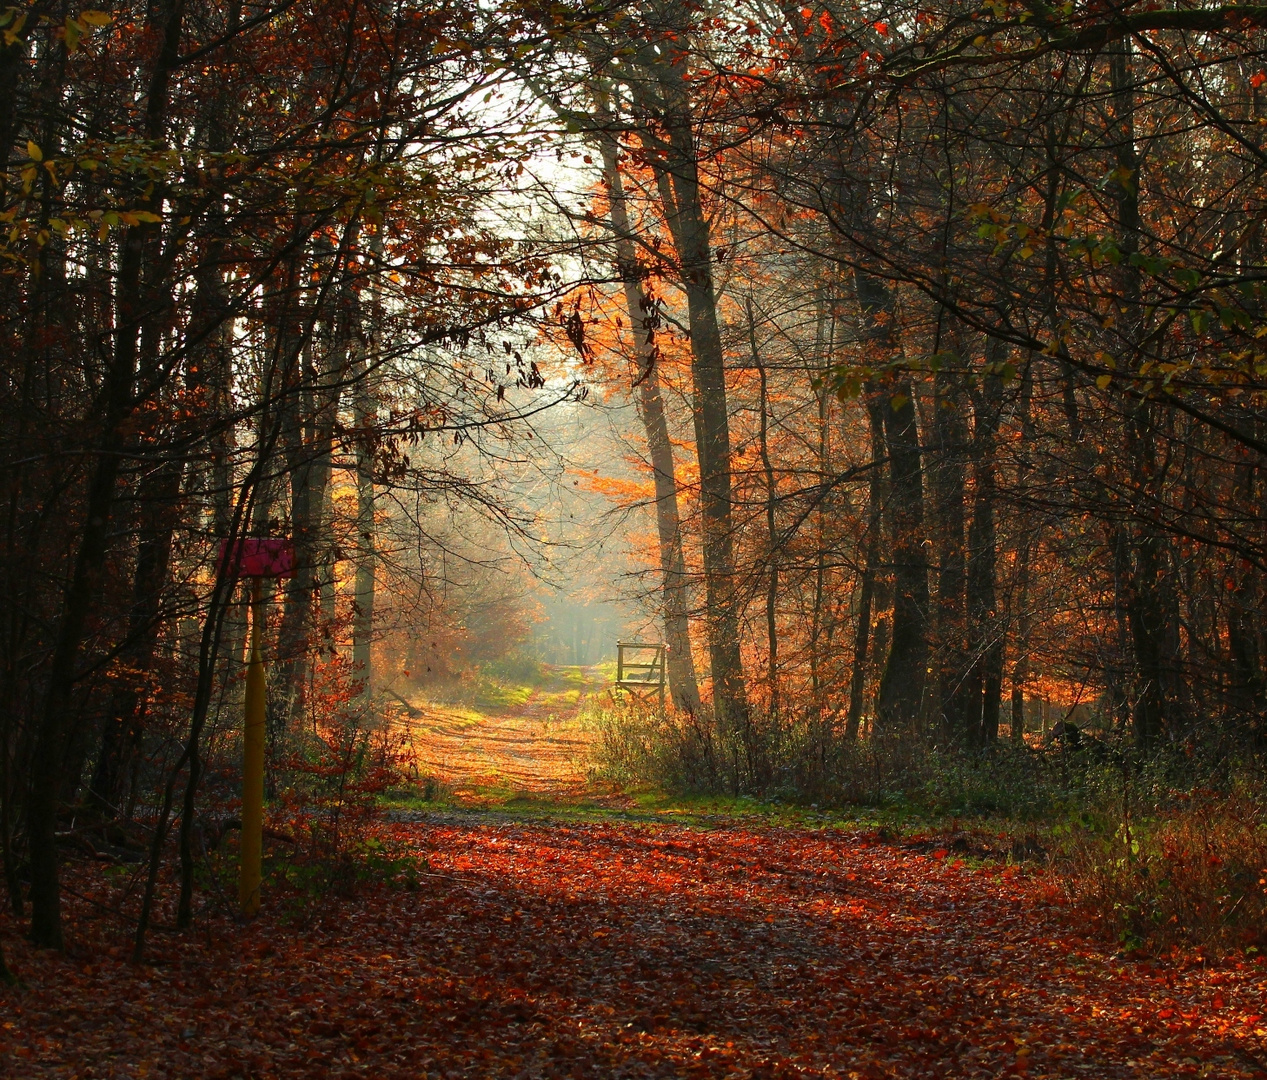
1168, 850
323, 825
1191, 874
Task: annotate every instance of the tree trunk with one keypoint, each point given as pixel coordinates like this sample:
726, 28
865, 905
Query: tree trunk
772, 534
875, 504
293, 352
1243, 617
901, 691
116, 404
1021, 603
643, 320
985, 638
688, 226
48, 756
1147, 604
946, 488
365, 420
121, 736
821, 628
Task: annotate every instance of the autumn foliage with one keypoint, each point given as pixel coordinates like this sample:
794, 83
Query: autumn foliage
916, 353
602, 950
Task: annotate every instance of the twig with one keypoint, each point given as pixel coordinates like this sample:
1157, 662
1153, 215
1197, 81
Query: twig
412, 710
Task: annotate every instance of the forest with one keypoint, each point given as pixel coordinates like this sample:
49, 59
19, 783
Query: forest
899, 367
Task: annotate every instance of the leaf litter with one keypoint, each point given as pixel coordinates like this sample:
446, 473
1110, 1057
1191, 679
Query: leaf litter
541, 950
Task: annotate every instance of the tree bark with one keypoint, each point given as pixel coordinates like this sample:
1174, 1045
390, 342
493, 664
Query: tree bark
946, 487
683, 683
985, 638
121, 736
867, 587
772, 534
688, 226
821, 627
901, 693
365, 419
1249, 694
1147, 602
1021, 604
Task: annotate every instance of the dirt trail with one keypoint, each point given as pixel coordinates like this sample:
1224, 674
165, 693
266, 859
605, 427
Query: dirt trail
617, 950
536, 746
611, 951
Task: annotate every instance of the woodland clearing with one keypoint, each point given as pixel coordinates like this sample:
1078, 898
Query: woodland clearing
590, 942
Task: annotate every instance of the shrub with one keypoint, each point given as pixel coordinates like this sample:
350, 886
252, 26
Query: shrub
1193, 874
639, 745
333, 779
809, 760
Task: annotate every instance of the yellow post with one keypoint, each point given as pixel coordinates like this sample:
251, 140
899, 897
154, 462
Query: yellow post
253, 764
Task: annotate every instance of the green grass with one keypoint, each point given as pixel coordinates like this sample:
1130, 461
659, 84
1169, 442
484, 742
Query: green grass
501, 688
499, 695
652, 806
571, 674
561, 699
572, 697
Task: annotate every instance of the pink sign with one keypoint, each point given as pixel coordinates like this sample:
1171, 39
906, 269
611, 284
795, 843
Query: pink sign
258, 556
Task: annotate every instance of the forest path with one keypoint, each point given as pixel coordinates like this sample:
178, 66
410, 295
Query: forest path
509, 740
533, 950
